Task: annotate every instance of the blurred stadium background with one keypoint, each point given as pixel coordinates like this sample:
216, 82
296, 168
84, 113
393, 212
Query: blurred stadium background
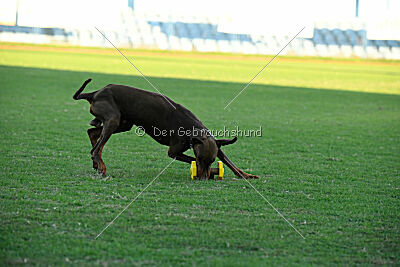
358, 28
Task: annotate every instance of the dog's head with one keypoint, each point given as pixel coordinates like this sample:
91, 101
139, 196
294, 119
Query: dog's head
206, 149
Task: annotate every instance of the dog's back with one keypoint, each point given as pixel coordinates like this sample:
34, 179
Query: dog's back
152, 111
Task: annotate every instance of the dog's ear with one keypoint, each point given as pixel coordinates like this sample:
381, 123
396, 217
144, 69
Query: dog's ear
224, 142
197, 140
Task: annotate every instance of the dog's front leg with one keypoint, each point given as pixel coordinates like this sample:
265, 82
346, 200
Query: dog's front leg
238, 172
176, 152
185, 158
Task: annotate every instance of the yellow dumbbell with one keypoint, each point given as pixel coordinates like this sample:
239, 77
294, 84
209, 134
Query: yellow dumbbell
220, 168
193, 170
219, 171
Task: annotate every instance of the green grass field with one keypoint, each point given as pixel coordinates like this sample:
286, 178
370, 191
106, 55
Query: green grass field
328, 160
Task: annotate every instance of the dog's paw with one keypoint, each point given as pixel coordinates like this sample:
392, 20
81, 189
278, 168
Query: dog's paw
102, 173
250, 176
102, 169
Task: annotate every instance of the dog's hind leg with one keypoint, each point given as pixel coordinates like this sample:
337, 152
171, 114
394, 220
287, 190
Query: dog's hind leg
94, 135
108, 129
110, 117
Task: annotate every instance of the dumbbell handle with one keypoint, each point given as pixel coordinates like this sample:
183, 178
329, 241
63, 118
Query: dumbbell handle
214, 171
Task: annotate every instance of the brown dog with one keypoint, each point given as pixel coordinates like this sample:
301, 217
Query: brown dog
118, 107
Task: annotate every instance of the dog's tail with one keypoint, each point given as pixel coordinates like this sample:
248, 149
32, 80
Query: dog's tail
87, 96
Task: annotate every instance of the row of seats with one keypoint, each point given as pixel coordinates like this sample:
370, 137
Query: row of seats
348, 37
141, 32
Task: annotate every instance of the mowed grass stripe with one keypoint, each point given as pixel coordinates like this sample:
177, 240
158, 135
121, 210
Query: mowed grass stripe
362, 76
